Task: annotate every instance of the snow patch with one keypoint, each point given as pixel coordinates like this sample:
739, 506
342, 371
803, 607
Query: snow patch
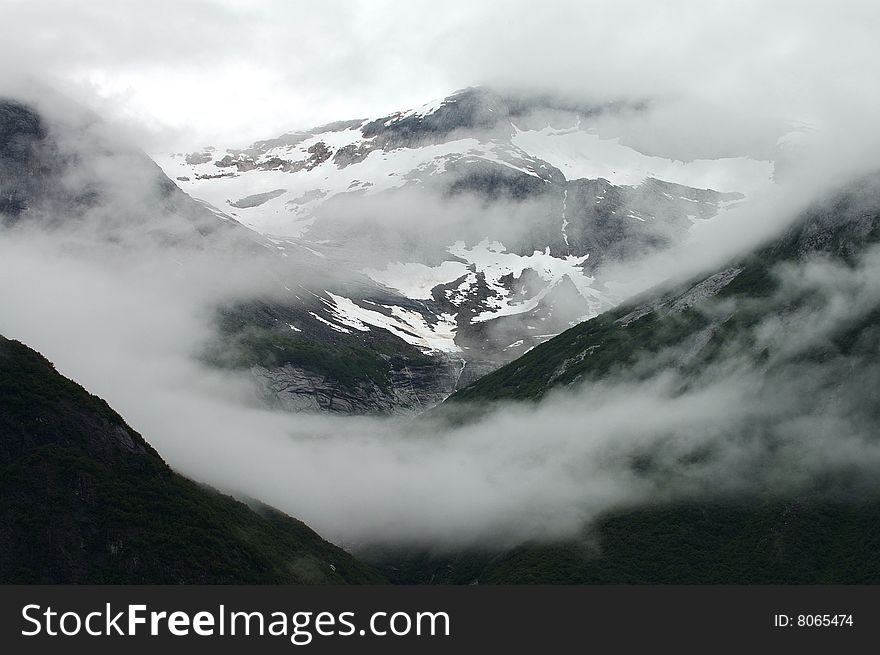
417, 280
403, 323
579, 154
493, 260
332, 326
380, 170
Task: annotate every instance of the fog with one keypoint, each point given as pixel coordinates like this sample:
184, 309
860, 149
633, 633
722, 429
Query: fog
187, 73
128, 329
127, 318
127, 315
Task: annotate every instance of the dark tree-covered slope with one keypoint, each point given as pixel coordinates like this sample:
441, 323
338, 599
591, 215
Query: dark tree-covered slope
800, 318
85, 499
691, 326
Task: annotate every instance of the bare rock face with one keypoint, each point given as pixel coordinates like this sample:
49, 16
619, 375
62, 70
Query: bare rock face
334, 330
411, 389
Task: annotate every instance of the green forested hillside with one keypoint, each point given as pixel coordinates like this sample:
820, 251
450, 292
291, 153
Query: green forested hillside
85, 499
801, 318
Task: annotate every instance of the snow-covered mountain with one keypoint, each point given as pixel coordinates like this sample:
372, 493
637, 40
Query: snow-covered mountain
275, 186
484, 216
393, 260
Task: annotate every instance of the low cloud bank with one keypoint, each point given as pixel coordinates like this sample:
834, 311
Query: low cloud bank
127, 330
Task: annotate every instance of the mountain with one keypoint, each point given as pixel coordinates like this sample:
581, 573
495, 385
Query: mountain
687, 320
85, 499
62, 169
475, 226
68, 178
457, 249
400, 258
796, 324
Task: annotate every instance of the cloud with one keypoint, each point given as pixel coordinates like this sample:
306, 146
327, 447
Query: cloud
723, 79
236, 71
127, 322
127, 319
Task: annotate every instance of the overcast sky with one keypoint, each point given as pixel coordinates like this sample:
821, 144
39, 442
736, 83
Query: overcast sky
181, 73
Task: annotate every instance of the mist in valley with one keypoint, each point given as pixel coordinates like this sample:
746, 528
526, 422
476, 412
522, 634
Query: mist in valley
123, 295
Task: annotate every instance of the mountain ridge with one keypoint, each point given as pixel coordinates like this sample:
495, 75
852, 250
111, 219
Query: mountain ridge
773, 320
85, 499
443, 194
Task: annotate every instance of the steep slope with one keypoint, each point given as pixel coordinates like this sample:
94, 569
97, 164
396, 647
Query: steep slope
62, 169
304, 356
406, 285
85, 499
65, 178
474, 209
401, 258
799, 321
698, 324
